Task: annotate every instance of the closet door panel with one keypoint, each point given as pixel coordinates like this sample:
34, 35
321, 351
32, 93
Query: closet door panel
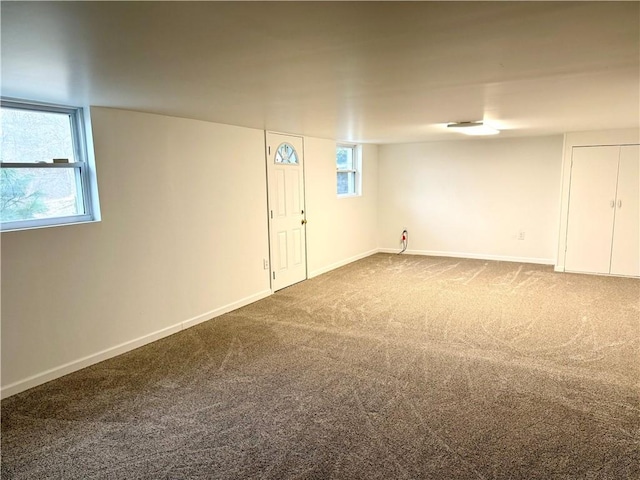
625, 255
592, 195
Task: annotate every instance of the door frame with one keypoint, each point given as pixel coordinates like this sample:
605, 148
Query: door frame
579, 236
627, 136
268, 159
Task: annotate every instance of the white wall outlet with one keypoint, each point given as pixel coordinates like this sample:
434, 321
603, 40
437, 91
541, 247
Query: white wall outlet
265, 264
521, 235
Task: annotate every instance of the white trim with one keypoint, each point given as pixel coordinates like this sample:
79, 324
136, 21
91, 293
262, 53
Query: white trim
75, 365
56, 372
628, 136
598, 274
479, 256
86, 185
356, 170
342, 263
20, 225
225, 309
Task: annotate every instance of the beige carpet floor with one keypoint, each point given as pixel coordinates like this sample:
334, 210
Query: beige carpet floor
393, 367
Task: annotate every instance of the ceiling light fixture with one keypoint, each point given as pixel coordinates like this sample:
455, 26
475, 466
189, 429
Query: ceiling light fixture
473, 128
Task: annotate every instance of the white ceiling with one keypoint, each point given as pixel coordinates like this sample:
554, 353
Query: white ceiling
364, 71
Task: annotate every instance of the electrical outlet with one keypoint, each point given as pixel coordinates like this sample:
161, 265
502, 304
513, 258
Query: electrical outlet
265, 263
521, 235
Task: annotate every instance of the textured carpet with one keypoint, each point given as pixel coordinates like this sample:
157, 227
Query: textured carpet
392, 367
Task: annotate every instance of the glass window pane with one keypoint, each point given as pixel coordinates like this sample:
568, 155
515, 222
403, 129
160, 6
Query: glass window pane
344, 158
346, 183
32, 193
30, 136
286, 154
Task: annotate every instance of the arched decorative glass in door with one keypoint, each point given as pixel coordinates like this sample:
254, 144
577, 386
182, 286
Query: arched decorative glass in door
286, 154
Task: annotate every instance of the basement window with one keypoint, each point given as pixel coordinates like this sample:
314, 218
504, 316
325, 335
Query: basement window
348, 170
46, 178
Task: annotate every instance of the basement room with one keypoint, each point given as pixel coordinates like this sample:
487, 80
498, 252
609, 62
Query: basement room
320, 240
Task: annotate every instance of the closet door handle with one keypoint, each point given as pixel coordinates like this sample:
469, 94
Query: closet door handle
612, 203
619, 203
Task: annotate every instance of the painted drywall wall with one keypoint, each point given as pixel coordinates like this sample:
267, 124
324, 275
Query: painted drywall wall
339, 230
472, 198
182, 239
629, 136
183, 236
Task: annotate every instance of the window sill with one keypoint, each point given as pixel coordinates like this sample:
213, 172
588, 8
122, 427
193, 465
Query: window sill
54, 222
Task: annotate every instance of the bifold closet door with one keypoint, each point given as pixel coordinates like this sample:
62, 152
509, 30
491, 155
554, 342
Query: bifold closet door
592, 203
625, 254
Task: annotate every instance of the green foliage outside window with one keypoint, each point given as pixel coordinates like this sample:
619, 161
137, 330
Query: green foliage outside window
18, 199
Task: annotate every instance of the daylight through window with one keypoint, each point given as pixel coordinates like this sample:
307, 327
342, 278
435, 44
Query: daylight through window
348, 170
44, 171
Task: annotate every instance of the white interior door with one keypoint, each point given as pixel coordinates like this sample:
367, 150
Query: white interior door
625, 255
592, 196
287, 223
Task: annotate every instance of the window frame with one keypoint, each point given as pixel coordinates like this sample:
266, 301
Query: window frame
356, 170
83, 166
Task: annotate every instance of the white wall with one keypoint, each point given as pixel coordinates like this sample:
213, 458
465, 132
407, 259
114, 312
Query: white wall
182, 238
471, 198
339, 230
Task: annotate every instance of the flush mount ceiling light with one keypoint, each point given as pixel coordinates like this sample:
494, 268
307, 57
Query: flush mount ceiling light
473, 128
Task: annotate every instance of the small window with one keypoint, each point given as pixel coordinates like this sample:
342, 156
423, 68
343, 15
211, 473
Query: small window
44, 175
286, 154
348, 170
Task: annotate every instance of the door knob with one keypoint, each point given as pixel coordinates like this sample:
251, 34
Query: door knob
619, 203
303, 222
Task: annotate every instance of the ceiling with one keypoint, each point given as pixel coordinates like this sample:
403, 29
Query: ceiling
380, 72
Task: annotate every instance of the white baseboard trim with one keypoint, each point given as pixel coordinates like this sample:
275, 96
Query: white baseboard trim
225, 309
342, 263
479, 256
62, 370
75, 365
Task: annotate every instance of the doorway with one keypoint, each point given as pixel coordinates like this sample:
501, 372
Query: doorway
287, 220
